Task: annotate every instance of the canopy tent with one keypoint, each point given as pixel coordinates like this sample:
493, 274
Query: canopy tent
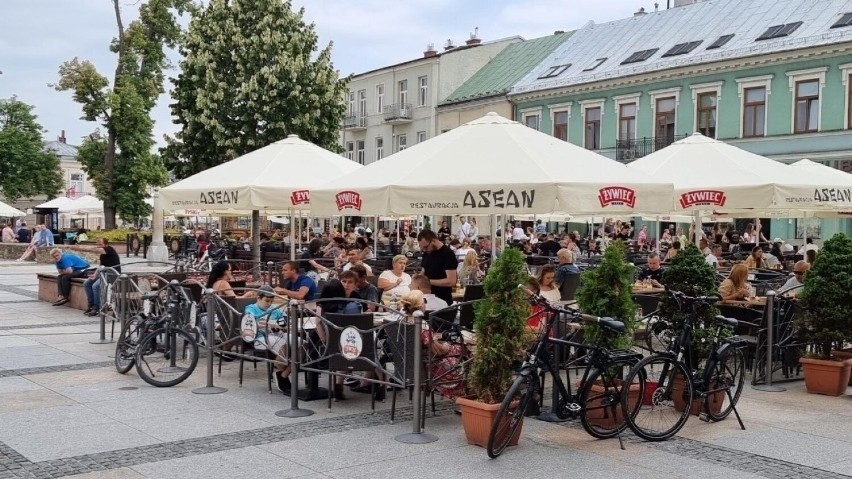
712, 175
59, 203
7, 211
833, 189
83, 205
493, 165
275, 178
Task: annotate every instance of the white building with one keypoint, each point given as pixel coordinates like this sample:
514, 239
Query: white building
392, 108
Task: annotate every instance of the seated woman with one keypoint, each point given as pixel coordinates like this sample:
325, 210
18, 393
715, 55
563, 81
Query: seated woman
672, 252
735, 286
396, 280
547, 284
446, 355
364, 248
469, 271
219, 279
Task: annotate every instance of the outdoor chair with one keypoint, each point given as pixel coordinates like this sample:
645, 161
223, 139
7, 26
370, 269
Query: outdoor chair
336, 323
569, 286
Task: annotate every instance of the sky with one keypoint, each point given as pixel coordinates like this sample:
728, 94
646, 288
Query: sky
36, 36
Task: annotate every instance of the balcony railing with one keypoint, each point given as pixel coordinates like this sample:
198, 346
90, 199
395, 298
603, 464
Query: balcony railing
356, 121
629, 150
398, 112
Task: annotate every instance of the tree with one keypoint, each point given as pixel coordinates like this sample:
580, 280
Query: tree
248, 79
26, 170
127, 166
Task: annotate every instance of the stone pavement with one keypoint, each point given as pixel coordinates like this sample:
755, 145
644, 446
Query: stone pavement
65, 411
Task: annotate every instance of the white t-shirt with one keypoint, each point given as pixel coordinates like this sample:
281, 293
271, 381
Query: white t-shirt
552, 295
434, 303
518, 234
347, 266
787, 248
808, 247
462, 252
711, 260
401, 288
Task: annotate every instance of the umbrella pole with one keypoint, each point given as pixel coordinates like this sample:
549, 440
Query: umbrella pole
493, 239
659, 235
255, 243
696, 220
376, 236
292, 237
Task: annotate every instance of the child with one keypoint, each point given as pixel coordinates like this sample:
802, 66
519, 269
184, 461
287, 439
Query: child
261, 330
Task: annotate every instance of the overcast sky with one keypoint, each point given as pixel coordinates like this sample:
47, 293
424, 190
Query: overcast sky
36, 36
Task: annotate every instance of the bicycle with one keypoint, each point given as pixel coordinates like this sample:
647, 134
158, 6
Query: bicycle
676, 385
168, 354
598, 399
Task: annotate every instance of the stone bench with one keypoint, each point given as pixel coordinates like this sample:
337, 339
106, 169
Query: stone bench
12, 251
47, 291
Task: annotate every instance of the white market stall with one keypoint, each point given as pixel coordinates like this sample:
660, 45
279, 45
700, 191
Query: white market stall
85, 206
7, 211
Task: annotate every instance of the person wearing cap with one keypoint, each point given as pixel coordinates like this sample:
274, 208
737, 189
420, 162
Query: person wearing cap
266, 322
786, 248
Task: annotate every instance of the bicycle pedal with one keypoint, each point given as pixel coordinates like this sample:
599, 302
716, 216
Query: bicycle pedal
704, 417
573, 407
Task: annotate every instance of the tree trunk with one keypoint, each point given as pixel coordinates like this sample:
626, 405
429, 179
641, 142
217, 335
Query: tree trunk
108, 196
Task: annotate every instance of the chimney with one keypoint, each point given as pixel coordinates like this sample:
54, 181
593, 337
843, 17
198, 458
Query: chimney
640, 12
430, 51
474, 38
61, 137
559, 32
449, 45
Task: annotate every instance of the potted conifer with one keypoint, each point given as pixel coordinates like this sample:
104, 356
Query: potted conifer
499, 324
826, 323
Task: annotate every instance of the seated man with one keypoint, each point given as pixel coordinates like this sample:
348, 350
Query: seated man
354, 256
365, 290
704, 246
69, 266
566, 265
421, 283
799, 270
38, 241
652, 271
108, 257
756, 259
296, 285
713, 258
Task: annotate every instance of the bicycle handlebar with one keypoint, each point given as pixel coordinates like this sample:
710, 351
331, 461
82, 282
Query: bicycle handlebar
541, 300
712, 298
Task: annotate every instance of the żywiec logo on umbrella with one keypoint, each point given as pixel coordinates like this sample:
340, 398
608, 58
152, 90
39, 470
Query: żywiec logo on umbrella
348, 199
703, 198
616, 195
301, 197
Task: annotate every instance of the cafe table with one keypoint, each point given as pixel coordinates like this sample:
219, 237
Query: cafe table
755, 302
642, 289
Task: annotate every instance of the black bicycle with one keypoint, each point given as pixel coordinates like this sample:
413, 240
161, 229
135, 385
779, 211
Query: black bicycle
168, 354
673, 383
598, 398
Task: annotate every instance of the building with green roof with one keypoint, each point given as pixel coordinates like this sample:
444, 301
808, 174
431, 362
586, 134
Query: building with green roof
486, 90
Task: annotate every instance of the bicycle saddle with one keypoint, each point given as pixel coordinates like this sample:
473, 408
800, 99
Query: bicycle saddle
611, 324
726, 321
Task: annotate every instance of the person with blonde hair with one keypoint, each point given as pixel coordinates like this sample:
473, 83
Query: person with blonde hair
735, 286
395, 280
469, 271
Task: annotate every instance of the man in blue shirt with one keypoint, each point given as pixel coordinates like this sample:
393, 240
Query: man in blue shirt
295, 285
69, 266
566, 265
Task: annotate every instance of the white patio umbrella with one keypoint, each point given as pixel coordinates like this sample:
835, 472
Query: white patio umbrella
58, 202
833, 188
7, 211
83, 205
493, 165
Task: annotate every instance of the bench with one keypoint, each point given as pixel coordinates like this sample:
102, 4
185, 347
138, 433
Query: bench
47, 291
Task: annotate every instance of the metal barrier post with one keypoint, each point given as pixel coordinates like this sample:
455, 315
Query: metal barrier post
102, 333
770, 339
269, 266
551, 415
417, 436
211, 326
294, 410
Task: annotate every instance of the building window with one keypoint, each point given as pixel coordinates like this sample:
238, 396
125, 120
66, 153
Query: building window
664, 121
593, 128
807, 106
360, 151
627, 121
754, 112
402, 142
362, 102
531, 121
380, 98
402, 87
75, 184
531, 117
380, 148
422, 98
350, 149
351, 102
560, 125
706, 114
421, 136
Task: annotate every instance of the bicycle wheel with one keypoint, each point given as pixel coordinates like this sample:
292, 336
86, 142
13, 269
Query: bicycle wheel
125, 348
727, 375
166, 357
511, 412
666, 400
602, 414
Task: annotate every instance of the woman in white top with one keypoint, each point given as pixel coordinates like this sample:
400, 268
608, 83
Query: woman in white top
547, 287
462, 250
396, 280
473, 232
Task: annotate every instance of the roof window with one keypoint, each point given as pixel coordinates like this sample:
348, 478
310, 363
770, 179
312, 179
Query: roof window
640, 56
554, 71
844, 21
597, 63
720, 42
682, 48
778, 31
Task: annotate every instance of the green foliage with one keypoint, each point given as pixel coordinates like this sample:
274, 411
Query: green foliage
118, 235
827, 297
607, 290
120, 163
500, 323
689, 273
26, 170
249, 78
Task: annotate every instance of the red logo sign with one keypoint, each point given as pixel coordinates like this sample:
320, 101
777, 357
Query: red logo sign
350, 199
301, 197
616, 195
702, 197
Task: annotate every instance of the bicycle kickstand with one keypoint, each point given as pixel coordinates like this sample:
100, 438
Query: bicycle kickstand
736, 413
618, 433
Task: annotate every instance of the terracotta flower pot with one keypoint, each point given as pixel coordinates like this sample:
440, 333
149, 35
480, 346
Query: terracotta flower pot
715, 400
825, 376
477, 418
844, 354
603, 417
